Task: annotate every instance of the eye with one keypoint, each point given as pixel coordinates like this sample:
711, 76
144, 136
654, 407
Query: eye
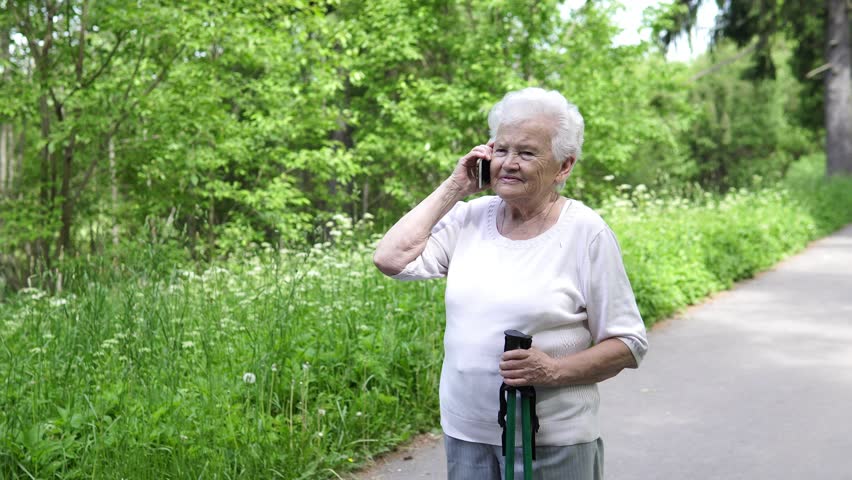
527, 155
500, 152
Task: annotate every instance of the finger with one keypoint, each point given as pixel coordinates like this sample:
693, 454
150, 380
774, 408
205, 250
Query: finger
480, 152
516, 355
515, 382
514, 374
511, 365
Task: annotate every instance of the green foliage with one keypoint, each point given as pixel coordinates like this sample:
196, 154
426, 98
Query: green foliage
733, 139
251, 123
678, 249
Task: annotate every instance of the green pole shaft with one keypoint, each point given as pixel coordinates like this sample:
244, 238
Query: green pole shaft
510, 434
526, 437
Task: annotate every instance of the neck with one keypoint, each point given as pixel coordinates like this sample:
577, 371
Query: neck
527, 211
520, 223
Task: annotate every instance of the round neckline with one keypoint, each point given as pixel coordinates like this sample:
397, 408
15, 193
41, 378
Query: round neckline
565, 213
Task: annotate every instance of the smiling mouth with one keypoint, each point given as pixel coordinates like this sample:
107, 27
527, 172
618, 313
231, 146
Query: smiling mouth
510, 179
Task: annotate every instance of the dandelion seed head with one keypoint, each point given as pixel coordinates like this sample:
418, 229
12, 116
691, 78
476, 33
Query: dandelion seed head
249, 378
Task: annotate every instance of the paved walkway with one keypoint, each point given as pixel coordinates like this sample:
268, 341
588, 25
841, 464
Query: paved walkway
753, 384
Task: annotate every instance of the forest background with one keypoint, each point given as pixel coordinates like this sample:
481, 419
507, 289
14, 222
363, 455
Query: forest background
189, 193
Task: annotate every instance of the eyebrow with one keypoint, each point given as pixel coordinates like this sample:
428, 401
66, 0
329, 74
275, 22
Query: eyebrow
521, 146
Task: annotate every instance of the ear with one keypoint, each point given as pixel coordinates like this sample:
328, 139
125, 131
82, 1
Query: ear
566, 167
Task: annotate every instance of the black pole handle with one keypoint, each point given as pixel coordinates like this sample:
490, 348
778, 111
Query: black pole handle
516, 340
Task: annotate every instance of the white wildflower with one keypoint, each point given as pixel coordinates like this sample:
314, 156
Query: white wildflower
249, 378
321, 412
188, 344
58, 302
609, 178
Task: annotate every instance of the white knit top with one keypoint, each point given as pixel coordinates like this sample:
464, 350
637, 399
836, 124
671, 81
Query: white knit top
566, 287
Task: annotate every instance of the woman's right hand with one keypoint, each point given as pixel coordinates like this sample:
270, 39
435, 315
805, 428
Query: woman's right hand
464, 177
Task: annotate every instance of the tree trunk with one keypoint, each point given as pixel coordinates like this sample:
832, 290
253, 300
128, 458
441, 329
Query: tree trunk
6, 155
838, 128
5, 159
114, 190
42, 243
67, 212
17, 149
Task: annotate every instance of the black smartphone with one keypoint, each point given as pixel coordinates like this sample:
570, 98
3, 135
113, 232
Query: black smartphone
483, 172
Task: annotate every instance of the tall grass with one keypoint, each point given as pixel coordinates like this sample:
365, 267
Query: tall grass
302, 364
278, 365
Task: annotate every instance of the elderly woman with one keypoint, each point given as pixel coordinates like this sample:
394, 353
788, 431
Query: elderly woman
526, 259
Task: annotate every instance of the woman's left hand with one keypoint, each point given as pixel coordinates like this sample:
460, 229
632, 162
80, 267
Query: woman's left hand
520, 368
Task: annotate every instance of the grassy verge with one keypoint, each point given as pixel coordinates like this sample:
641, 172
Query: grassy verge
678, 251
304, 364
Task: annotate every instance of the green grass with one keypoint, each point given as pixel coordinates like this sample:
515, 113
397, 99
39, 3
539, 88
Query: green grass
678, 251
303, 364
296, 365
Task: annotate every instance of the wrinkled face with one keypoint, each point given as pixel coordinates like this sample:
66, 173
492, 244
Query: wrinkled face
522, 165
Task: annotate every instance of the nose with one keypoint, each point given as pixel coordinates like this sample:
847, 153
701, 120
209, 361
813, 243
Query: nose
511, 162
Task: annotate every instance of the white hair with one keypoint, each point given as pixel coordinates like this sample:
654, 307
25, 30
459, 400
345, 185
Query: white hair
529, 103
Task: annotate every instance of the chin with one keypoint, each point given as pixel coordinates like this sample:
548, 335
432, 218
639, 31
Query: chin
509, 191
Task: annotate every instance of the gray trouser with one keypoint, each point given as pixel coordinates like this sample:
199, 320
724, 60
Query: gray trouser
479, 461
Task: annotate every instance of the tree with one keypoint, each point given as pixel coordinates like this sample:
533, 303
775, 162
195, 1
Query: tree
79, 70
837, 86
820, 32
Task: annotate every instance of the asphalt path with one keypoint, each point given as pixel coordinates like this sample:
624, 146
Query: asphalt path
755, 383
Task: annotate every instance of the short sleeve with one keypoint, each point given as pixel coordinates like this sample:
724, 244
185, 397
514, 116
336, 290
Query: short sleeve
434, 262
610, 303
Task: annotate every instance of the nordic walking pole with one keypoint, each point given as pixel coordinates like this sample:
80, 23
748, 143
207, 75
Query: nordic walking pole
509, 449
506, 417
